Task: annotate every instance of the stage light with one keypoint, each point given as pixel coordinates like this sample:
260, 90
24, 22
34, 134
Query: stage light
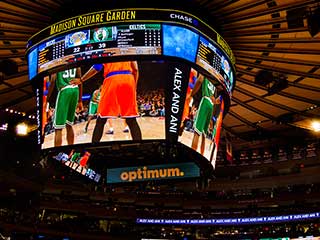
4, 127
22, 129
315, 126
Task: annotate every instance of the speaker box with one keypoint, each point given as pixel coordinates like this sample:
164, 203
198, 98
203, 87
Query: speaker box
264, 77
295, 17
314, 23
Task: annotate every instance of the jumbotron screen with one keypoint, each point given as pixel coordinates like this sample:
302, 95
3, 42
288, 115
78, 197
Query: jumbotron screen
73, 109
131, 74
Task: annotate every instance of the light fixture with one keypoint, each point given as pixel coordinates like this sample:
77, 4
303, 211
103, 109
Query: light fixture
22, 129
315, 126
4, 127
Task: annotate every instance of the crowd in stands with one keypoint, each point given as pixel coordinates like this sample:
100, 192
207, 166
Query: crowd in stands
71, 223
273, 231
151, 103
271, 155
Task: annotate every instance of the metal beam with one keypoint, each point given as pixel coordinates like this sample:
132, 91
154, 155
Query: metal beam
19, 74
14, 38
215, 5
280, 70
253, 109
270, 10
284, 94
15, 87
275, 50
13, 55
235, 41
16, 101
32, 6
232, 33
21, 31
292, 84
39, 13
241, 8
23, 15
245, 121
27, 23
11, 46
229, 27
276, 59
230, 130
275, 104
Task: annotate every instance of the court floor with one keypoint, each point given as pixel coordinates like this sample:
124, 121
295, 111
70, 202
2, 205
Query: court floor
151, 128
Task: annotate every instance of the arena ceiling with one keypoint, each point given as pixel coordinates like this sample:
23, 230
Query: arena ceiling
259, 35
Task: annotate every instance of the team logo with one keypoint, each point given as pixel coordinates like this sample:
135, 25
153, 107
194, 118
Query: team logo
105, 34
77, 38
100, 34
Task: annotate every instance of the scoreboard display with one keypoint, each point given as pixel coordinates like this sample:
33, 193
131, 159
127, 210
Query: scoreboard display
211, 58
133, 32
172, 51
133, 39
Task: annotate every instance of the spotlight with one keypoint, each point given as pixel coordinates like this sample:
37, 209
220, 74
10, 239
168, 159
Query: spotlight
22, 129
315, 126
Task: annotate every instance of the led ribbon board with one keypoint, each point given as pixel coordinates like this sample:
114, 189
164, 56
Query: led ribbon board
232, 221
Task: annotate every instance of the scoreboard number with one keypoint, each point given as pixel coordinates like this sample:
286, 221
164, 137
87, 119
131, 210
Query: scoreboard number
101, 45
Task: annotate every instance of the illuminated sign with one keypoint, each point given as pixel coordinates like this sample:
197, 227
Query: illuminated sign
107, 17
154, 172
90, 19
231, 221
164, 44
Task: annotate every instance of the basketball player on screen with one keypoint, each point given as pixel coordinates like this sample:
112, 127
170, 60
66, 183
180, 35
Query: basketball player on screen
118, 95
188, 102
68, 100
93, 106
205, 111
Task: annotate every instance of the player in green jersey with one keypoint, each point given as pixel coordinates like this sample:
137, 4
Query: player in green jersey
205, 110
93, 106
68, 100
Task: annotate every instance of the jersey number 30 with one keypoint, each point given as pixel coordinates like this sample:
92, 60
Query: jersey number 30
70, 73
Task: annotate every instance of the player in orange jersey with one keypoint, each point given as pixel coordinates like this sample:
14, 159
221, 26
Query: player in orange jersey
118, 95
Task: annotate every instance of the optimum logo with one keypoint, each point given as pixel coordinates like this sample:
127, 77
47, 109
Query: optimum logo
146, 174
